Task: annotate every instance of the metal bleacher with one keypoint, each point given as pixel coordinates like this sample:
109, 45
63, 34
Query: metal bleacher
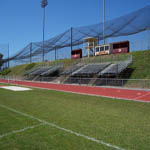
116, 68
30, 71
72, 69
40, 70
44, 70
51, 70
90, 69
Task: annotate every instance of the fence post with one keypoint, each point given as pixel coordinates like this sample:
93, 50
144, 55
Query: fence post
144, 84
122, 81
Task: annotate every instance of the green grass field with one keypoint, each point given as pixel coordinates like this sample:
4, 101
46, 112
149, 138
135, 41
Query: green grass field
43, 120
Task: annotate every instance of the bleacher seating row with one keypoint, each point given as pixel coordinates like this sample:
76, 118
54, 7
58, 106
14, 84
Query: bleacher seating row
91, 69
72, 69
115, 69
51, 70
39, 71
43, 71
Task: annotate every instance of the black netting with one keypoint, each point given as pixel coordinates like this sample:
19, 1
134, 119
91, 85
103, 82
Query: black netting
129, 24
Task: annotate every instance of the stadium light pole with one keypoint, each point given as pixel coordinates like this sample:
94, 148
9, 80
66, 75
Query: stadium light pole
44, 3
104, 19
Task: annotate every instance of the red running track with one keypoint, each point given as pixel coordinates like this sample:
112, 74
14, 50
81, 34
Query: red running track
117, 93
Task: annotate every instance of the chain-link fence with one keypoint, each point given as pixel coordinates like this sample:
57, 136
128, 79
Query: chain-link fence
106, 82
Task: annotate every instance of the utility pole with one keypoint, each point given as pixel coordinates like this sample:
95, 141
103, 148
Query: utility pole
148, 40
44, 3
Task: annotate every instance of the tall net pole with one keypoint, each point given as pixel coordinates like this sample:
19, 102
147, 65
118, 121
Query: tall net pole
71, 40
31, 52
44, 3
104, 19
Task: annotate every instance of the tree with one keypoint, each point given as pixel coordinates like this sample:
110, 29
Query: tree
1, 60
1, 56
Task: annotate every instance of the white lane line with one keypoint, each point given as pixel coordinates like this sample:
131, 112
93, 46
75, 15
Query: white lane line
142, 95
20, 130
64, 129
139, 93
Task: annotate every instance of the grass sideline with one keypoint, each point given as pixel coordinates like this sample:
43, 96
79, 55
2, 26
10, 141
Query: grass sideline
122, 123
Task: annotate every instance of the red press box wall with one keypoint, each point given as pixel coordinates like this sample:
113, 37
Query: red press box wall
76, 53
120, 47
120, 50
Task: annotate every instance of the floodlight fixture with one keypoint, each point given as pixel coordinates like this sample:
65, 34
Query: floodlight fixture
44, 3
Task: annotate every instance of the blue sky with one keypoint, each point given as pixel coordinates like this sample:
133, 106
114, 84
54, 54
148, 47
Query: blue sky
21, 20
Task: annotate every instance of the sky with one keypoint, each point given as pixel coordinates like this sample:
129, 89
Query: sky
21, 20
